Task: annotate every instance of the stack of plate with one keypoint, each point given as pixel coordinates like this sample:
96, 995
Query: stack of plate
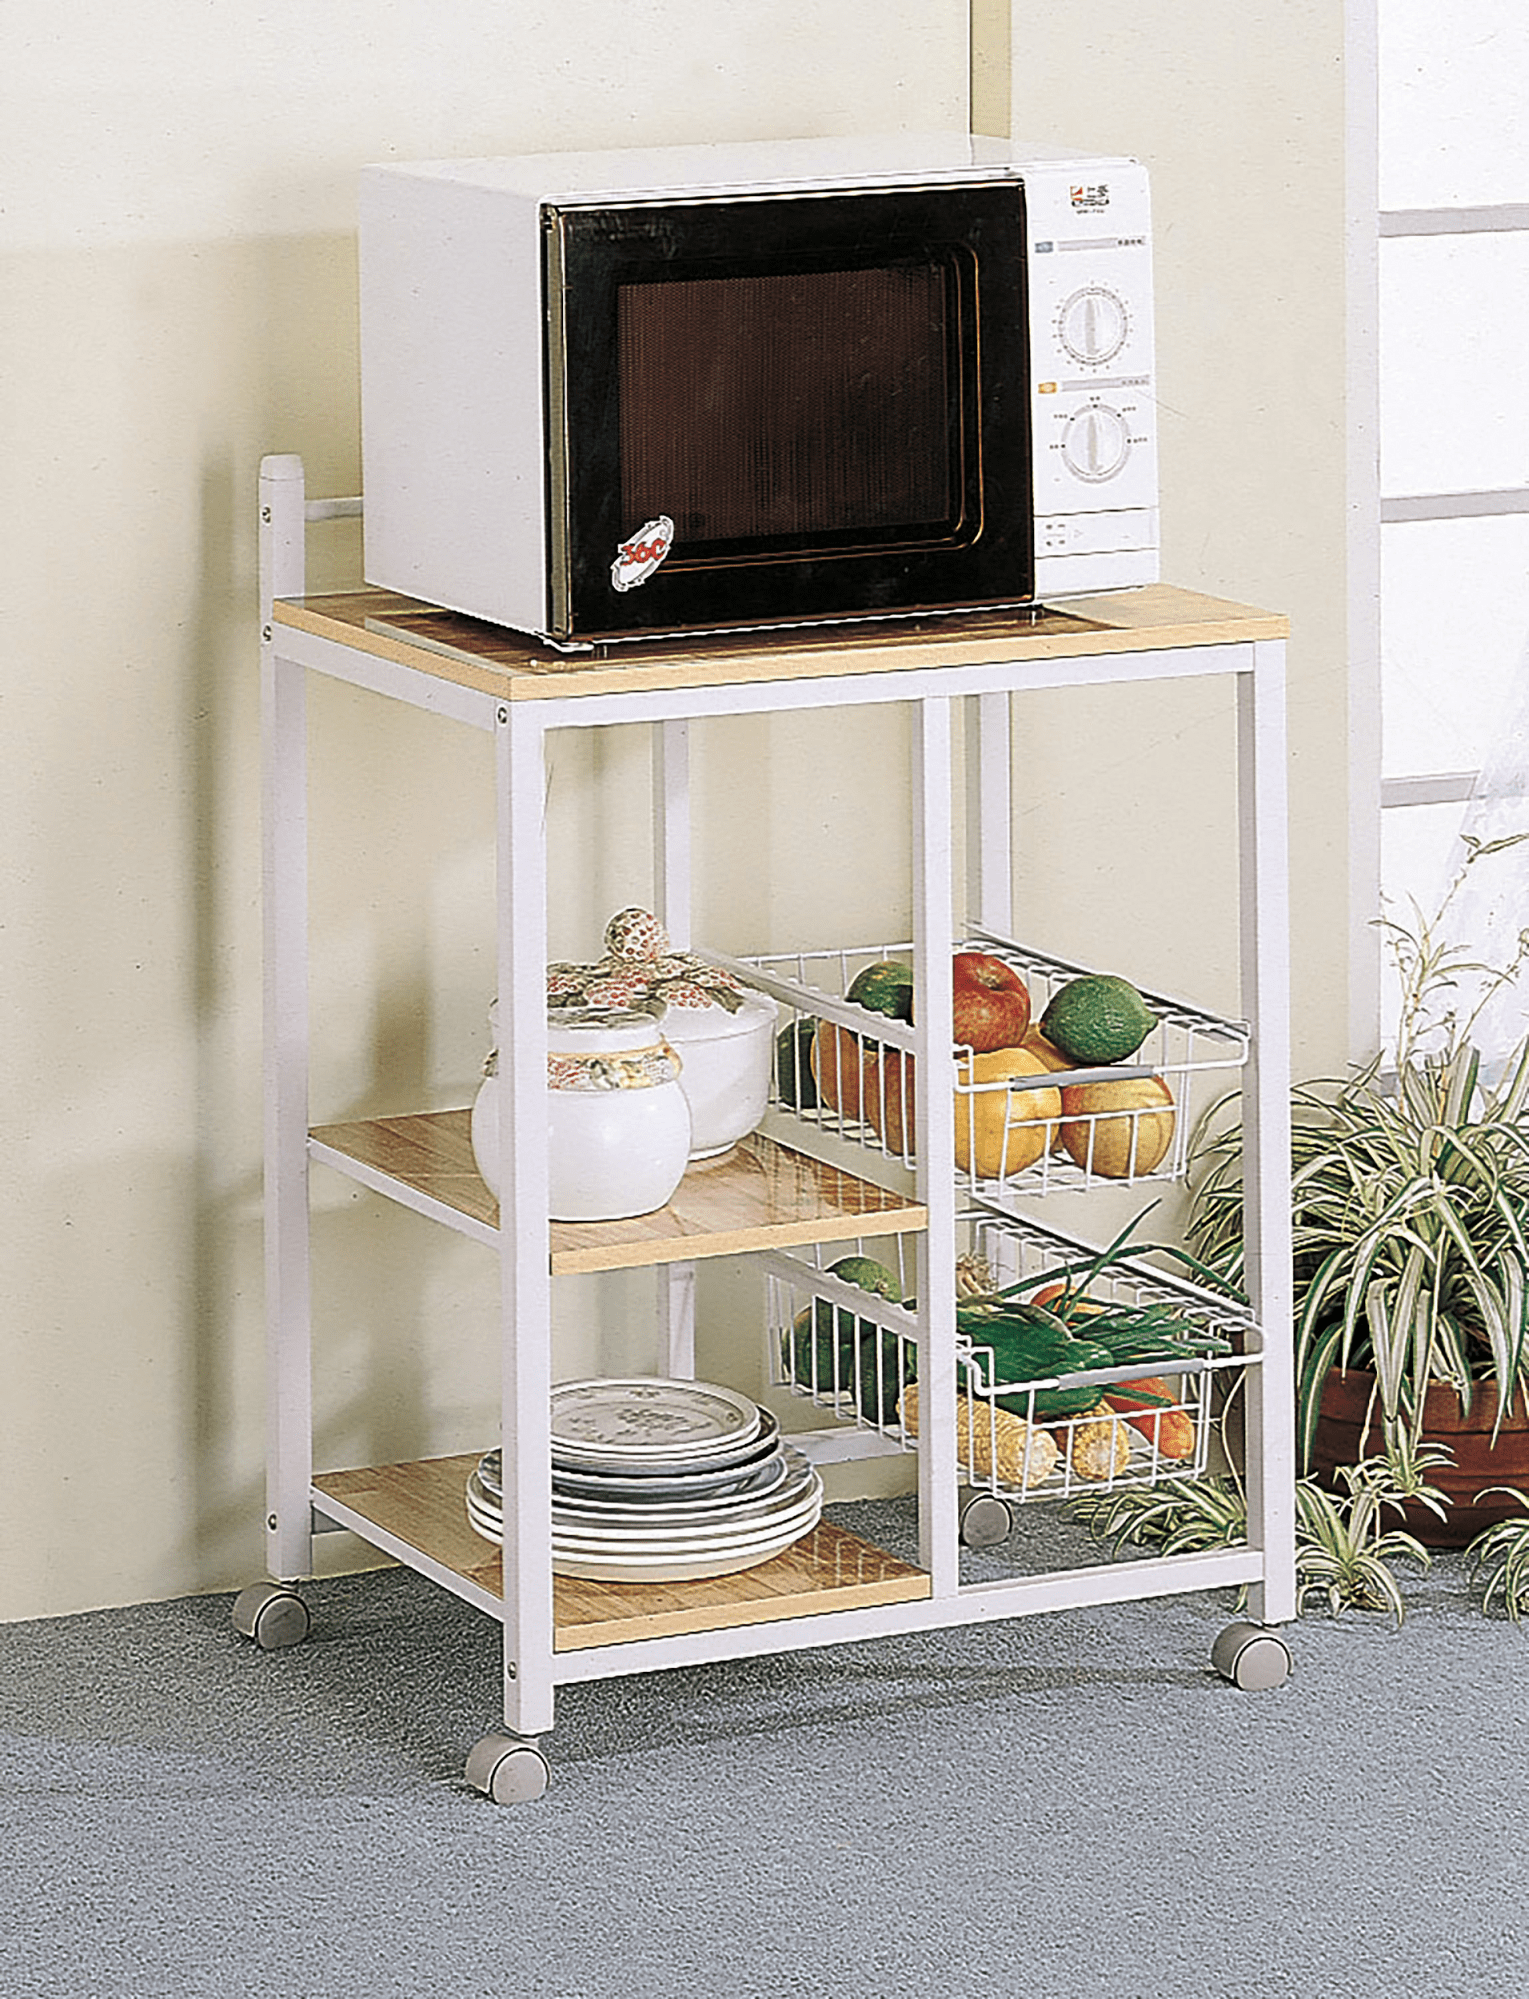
661, 1481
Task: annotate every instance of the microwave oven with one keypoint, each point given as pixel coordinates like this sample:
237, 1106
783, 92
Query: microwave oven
616, 395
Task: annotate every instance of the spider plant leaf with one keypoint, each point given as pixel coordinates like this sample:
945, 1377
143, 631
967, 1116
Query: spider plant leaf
1513, 1093
1314, 1372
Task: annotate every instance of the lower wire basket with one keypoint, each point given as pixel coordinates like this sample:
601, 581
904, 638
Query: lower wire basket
1057, 1436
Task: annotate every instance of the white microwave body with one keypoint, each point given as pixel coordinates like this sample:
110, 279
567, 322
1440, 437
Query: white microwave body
470, 375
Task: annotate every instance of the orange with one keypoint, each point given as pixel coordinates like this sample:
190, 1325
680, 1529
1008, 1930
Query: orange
1002, 1131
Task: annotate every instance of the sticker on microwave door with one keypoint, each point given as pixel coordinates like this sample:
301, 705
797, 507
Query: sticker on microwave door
637, 559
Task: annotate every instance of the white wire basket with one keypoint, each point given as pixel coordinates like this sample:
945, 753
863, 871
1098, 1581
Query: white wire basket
1060, 1437
845, 1073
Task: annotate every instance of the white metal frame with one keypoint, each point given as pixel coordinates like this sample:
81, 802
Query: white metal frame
520, 730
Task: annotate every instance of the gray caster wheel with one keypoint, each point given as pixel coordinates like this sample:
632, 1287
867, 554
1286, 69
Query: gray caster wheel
1251, 1657
507, 1769
986, 1521
273, 1614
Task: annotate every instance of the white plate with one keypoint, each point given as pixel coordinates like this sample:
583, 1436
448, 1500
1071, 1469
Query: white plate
786, 1492
663, 1534
646, 1549
654, 1487
684, 1547
681, 1570
650, 1419
799, 1488
651, 1481
602, 1563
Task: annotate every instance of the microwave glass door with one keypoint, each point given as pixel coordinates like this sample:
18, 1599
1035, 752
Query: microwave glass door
787, 408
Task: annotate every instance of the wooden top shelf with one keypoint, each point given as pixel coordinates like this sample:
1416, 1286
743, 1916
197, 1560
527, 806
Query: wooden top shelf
422, 1507
512, 667
761, 1195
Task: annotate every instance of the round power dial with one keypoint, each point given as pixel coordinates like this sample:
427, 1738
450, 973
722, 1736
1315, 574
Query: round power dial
1096, 442
1093, 325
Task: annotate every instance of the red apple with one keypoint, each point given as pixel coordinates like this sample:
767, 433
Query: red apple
991, 1002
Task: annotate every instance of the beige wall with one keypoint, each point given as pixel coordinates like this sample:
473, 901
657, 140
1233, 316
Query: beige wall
177, 296
1238, 113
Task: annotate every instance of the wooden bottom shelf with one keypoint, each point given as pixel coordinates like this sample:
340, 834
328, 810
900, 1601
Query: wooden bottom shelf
421, 1505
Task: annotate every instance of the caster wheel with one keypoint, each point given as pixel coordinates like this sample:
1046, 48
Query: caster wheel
273, 1615
986, 1521
1251, 1657
507, 1769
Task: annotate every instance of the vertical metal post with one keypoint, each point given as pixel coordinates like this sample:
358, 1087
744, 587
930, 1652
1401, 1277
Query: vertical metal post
1263, 813
524, 1260
671, 829
672, 896
934, 1087
989, 814
284, 996
283, 531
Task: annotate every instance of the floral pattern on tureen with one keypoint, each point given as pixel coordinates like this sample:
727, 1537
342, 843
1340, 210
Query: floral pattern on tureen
641, 969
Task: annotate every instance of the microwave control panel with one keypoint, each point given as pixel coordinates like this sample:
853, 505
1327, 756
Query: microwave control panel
1094, 411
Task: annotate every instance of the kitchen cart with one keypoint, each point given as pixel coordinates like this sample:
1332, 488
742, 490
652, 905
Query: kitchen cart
815, 1177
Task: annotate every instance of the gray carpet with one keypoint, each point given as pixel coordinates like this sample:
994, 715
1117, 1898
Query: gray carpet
1072, 1805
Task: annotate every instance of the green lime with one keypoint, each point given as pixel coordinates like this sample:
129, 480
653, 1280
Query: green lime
868, 1275
1098, 1018
885, 987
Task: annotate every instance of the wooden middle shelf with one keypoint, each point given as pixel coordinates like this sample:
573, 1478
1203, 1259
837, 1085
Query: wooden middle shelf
762, 1195
422, 1505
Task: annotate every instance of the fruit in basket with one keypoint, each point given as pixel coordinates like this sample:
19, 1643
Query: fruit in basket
999, 1130
1099, 1449
990, 1002
793, 1064
838, 1065
833, 1353
888, 1098
842, 1066
868, 1275
1097, 1018
1118, 1130
1050, 1057
1045, 1052
885, 987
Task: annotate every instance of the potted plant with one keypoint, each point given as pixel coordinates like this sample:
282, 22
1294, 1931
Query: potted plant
1411, 1239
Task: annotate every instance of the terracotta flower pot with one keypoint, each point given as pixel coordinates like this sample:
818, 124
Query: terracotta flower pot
1341, 1439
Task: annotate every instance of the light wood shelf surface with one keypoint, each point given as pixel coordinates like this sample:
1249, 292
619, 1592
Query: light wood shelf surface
422, 1504
761, 1195
512, 667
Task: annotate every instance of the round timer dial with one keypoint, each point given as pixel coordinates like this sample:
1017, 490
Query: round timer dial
1096, 443
1093, 325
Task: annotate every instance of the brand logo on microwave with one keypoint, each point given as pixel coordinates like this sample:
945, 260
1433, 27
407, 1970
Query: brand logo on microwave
637, 559
1091, 198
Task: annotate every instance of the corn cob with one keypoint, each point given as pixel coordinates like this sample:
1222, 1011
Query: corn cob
974, 1275
1099, 1449
991, 1442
